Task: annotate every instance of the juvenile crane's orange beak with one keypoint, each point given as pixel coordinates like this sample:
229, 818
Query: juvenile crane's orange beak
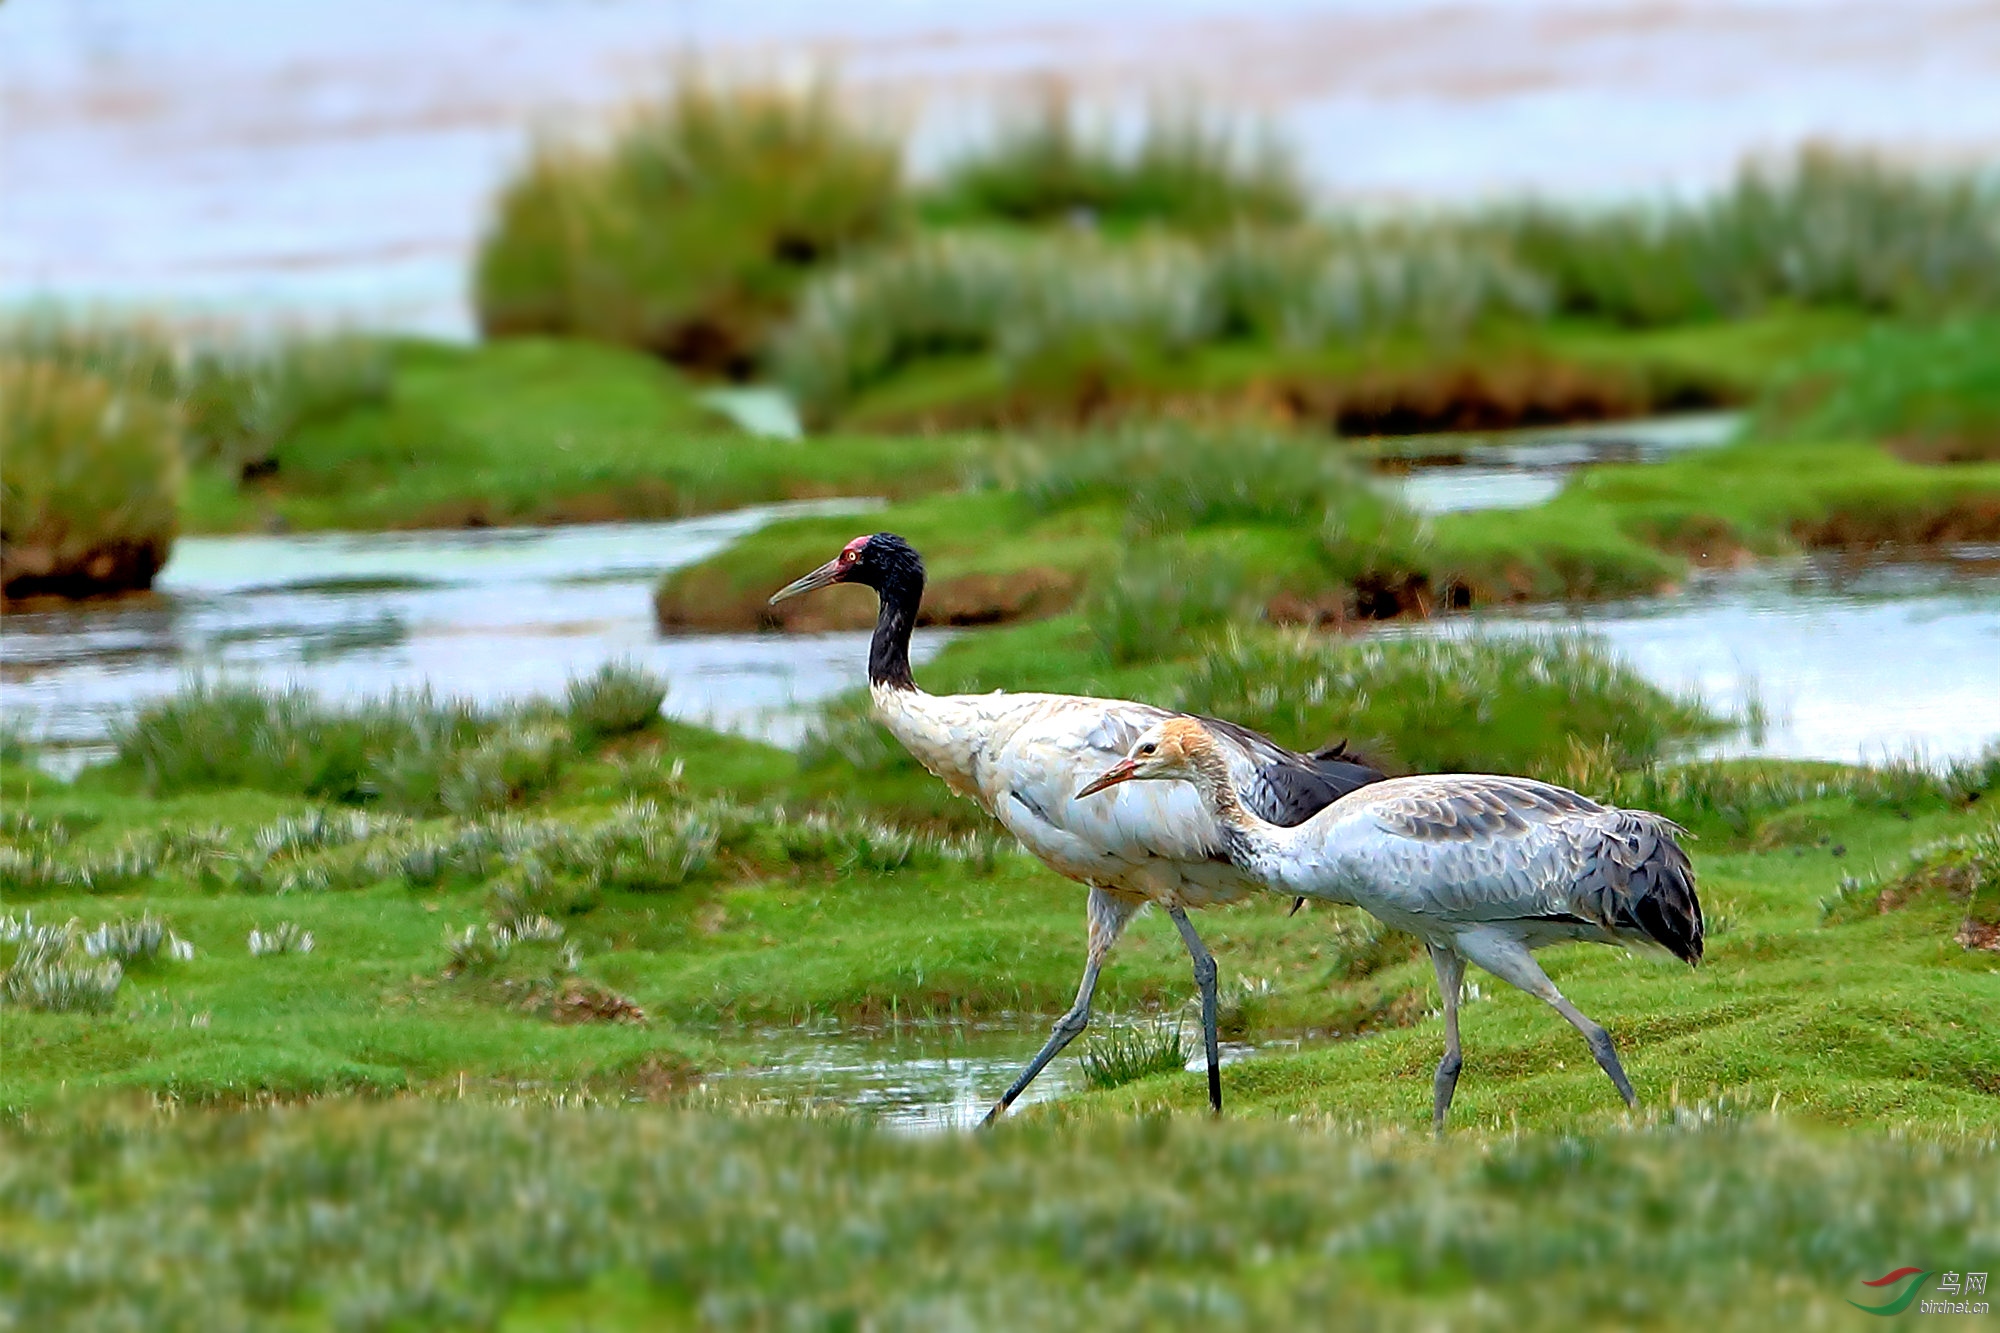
1121, 771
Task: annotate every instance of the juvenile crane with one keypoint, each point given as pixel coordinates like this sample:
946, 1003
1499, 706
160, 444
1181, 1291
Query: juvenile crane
1022, 757
1479, 868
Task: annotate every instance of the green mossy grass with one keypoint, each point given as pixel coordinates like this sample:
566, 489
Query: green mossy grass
1932, 393
251, 1134
1854, 1017
539, 1218
538, 431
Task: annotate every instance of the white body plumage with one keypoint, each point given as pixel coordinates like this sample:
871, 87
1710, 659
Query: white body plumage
1024, 757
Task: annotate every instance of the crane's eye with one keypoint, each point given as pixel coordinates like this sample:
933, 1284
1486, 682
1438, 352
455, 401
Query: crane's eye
847, 557
1148, 748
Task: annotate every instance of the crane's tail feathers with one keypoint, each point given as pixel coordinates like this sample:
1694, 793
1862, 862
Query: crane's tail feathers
1660, 897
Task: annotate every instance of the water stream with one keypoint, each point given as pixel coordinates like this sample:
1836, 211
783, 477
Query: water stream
1851, 662
488, 614
1518, 469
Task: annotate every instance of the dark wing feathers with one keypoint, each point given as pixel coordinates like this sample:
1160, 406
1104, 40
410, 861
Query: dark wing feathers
1288, 788
1646, 882
1291, 788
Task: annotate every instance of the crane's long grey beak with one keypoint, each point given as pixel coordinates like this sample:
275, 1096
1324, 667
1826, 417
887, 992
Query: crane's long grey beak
1121, 771
825, 576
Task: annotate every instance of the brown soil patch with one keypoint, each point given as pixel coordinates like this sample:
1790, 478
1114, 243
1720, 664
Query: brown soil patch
1970, 519
1979, 935
1702, 538
661, 1077
1938, 449
1487, 397
1372, 596
1487, 394
38, 569
580, 1001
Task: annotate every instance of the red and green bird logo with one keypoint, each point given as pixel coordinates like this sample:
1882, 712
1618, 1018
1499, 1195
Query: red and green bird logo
1901, 1303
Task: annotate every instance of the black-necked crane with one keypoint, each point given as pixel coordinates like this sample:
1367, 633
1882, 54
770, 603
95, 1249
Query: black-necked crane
1022, 757
1480, 868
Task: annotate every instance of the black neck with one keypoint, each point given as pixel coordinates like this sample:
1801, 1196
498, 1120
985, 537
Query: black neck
889, 654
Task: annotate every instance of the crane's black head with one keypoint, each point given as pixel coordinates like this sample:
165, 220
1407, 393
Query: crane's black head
888, 564
884, 562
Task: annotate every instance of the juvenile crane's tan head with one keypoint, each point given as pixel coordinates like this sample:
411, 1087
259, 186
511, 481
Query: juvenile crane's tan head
1179, 747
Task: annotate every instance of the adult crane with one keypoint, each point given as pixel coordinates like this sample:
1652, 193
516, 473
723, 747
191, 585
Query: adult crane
1480, 868
1022, 757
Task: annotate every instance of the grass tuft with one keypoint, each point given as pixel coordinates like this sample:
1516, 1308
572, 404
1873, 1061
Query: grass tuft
1075, 324
616, 699
1186, 171
46, 973
137, 942
90, 492
1825, 228
1964, 869
284, 937
1505, 705
1127, 1054
688, 233
1931, 394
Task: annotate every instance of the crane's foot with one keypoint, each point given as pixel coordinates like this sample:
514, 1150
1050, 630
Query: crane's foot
1607, 1060
1443, 1087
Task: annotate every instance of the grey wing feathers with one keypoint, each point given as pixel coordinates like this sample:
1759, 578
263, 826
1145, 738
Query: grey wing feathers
1290, 788
1619, 869
1460, 809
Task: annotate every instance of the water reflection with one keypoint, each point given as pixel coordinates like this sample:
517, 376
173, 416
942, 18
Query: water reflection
487, 614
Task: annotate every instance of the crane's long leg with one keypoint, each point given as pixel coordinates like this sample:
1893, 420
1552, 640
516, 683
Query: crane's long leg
1507, 958
1109, 913
1204, 977
1451, 975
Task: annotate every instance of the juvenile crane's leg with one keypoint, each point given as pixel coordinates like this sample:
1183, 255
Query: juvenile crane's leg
1109, 914
1204, 977
1451, 975
1508, 959
1601, 1047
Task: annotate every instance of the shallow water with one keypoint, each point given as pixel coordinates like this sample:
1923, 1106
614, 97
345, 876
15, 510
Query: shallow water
923, 1076
488, 614
1453, 472
1855, 663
